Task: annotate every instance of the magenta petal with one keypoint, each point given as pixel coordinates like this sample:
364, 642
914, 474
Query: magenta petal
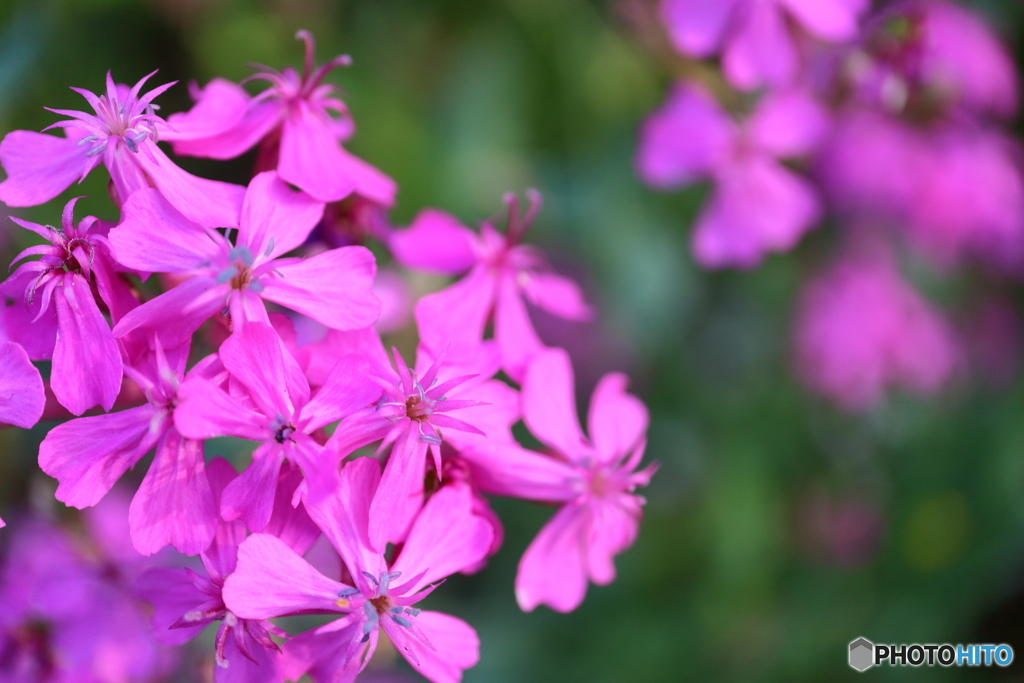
761, 51
344, 519
513, 329
348, 388
553, 570
456, 647
833, 20
266, 669
613, 528
556, 294
86, 360
311, 157
255, 356
206, 411
758, 207
290, 522
271, 580
275, 219
172, 594
684, 139
36, 335
155, 237
210, 203
458, 314
220, 106
371, 182
445, 538
510, 470
617, 421
89, 454
258, 122
39, 166
332, 653
22, 398
189, 305
549, 402
250, 497
400, 494
696, 26
790, 123
435, 242
174, 503
334, 288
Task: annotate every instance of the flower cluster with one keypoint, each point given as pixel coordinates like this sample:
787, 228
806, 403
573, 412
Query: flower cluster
890, 122
265, 325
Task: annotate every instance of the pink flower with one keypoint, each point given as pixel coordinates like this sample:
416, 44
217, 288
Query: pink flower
334, 287
502, 272
410, 414
757, 206
67, 615
122, 135
55, 314
753, 37
920, 56
593, 480
184, 601
271, 580
87, 456
22, 397
278, 411
301, 138
861, 329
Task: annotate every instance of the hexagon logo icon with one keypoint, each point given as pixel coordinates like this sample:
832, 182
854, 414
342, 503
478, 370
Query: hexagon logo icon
862, 653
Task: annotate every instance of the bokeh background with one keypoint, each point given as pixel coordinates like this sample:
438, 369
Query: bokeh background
778, 528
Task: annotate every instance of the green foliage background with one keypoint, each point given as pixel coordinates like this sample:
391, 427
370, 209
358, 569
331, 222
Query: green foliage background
464, 100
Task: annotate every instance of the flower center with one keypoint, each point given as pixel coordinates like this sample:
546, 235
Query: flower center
284, 433
418, 408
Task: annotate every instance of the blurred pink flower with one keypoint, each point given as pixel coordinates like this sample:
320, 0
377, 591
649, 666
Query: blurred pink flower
861, 329
122, 135
755, 37
757, 205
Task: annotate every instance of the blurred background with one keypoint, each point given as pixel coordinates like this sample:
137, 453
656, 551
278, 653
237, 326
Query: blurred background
779, 528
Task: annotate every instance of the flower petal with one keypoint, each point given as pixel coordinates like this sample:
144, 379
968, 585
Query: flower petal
271, 581
89, 454
275, 219
456, 647
189, 305
250, 497
334, 288
206, 411
86, 360
210, 203
684, 139
437, 242
549, 403
347, 389
696, 26
172, 594
445, 538
258, 121
174, 503
344, 519
617, 421
400, 494
39, 166
153, 236
553, 570
311, 157
22, 397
